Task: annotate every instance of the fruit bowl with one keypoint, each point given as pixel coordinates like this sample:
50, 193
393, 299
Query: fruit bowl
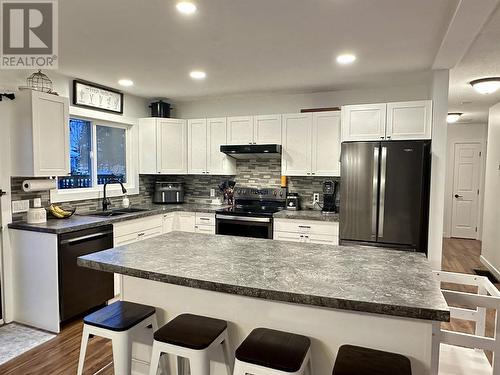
57, 212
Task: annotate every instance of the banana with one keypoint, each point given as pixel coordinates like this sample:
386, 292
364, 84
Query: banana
54, 212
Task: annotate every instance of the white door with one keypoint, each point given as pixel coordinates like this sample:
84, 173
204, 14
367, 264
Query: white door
267, 129
218, 162
296, 139
466, 175
197, 146
185, 221
172, 146
363, 122
409, 120
240, 130
326, 144
50, 134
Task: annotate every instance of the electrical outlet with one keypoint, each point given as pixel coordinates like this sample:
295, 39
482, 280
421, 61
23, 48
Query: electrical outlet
20, 206
212, 193
315, 197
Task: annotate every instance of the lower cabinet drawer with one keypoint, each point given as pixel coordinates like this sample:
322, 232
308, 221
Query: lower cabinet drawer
306, 226
286, 236
322, 239
205, 219
208, 229
137, 236
137, 225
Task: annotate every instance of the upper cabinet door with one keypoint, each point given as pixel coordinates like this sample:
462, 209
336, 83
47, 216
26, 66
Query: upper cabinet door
296, 140
172, 146
50, 134
197, 146
267, 129
240, 130
409, 120
364, 122
326, 144
148, 146
217, 162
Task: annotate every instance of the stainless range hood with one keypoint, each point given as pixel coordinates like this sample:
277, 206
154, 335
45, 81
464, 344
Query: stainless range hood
272, 151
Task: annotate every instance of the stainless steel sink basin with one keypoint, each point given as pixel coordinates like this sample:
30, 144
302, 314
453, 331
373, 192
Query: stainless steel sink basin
117, 212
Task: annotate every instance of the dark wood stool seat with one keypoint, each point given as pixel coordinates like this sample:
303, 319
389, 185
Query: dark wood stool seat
274, 349
356, 360
191, 331
119, 316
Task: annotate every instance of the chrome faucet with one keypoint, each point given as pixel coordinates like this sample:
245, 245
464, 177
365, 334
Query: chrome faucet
105, 201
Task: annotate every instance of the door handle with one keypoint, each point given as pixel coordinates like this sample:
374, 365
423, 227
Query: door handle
383, 171
458, 196
2, 192
376, 156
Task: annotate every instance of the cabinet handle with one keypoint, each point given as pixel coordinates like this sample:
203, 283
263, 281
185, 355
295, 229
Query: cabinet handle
141, 234
305, 226
382, 137
313, 173
388, 137
204, 218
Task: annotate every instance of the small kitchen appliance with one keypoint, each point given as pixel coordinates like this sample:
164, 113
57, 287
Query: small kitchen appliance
160, 109
293, 201
168, 192
330, 190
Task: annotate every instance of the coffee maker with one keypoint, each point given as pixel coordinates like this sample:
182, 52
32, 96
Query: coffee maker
330, 191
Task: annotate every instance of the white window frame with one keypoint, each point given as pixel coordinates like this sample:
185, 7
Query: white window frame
112, 190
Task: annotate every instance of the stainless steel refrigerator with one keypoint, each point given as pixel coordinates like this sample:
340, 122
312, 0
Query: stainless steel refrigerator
384, 198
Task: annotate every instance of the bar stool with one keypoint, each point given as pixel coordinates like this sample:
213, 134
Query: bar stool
193, 337
119, 321
356, 360
270, 352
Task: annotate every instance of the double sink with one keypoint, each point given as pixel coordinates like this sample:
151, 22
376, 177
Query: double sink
117, 212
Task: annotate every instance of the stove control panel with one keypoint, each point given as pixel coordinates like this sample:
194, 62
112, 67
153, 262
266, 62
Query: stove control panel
254, 193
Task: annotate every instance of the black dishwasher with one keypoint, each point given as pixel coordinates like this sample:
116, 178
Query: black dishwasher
81, 289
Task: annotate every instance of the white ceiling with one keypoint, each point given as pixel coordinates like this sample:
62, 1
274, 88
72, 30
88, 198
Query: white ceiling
482, 60
249, 45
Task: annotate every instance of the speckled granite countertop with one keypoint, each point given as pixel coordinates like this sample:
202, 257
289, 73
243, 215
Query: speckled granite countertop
364, 279
78, 222
306, 215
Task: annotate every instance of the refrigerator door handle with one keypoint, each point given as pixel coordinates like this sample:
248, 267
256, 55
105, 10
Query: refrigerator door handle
374, 192
383, 171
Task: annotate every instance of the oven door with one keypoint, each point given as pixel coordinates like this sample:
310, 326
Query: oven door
244, 226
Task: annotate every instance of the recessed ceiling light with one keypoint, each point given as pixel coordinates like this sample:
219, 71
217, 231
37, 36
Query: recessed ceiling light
186, 7
198, 74
126, 82
347, 58
453, 117
486, 85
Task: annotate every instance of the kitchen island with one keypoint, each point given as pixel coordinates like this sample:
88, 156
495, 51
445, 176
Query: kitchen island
373, 297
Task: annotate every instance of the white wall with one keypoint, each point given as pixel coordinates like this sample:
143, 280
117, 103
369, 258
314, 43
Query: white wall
292, 103
463, 133
490, 253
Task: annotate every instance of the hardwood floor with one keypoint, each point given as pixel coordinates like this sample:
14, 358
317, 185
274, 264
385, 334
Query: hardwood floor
59, 356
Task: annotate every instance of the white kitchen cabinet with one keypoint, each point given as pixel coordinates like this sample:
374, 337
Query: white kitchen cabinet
240, 130
184, 221
162, 146
267, 129
168, 222
387, 121
364, 122
218, 163
307, 231
296, 142
326, 144
40, 139
311, 144
197, 146
409, 120
204, 223
205, 136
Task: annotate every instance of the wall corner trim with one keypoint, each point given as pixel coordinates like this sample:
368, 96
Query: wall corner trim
490, 267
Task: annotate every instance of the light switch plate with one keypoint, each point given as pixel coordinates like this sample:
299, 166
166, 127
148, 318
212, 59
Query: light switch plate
315, 197
20, 206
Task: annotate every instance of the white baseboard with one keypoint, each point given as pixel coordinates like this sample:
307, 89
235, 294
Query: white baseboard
490, 267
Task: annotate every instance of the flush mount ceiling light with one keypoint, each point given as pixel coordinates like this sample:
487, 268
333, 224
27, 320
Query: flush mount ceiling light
486, 85
347, 58
197, 74
126, 82
453, 117
186, 7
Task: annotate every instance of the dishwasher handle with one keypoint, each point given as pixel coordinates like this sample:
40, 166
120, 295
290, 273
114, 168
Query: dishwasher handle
89, 237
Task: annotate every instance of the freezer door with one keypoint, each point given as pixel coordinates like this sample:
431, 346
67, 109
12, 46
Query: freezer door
359, 191
402, 188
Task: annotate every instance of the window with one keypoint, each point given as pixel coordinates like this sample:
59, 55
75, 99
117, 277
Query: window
108, 143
